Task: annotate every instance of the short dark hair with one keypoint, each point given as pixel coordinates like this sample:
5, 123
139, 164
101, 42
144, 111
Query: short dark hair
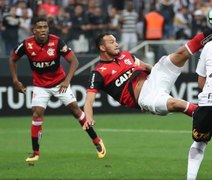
38, 19
99, 39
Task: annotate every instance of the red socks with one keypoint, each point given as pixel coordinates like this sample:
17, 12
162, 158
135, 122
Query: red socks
90, 131
82, 118
36, 130
96, 140
190, 109
195, 44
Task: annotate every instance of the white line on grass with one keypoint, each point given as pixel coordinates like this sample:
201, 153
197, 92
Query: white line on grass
102, 130
146, 131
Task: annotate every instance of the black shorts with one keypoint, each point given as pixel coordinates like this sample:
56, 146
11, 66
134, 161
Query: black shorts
202, 124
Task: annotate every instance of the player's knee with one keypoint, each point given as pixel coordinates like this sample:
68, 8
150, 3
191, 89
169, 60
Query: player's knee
37, 115
37, 112
175, 105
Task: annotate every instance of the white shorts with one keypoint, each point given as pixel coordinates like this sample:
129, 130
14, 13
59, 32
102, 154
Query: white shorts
41, 96
156, 89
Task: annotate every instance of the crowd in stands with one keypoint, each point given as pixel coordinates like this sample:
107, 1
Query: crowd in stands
78, 21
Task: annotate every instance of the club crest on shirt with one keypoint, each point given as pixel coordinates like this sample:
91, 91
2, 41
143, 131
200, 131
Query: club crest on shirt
121, 57
128, 62
51, 52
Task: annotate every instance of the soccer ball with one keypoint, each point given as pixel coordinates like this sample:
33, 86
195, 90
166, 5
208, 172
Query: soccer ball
210, 16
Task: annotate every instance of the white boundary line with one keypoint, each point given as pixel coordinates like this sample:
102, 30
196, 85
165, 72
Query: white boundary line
145, 131
105, 130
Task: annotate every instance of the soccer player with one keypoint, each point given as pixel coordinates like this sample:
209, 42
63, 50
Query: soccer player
44, 51
129, 81
202, 124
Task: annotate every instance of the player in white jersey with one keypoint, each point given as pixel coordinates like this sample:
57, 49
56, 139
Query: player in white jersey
202, 122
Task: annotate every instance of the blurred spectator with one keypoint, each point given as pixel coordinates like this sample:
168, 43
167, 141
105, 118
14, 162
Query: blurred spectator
11, 22
114, 22
105, 5
78, 21
199, 22
51, 8
70, 8
24, 30
83, 3
22, 6
139, 5
32, 4
153, 30
119, 5
167, 11
182, 23
95, 16
140, 25
79, 31
63, 24
4, 8
53, 27
153, 25
129, 19
97, 22
178, 4
42, 12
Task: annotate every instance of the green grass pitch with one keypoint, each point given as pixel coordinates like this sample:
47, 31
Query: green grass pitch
139, 146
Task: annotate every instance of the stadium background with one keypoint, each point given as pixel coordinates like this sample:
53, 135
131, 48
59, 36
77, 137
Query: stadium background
139, 146
182, 19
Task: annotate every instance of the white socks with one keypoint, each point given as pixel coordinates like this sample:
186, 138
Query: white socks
195, 157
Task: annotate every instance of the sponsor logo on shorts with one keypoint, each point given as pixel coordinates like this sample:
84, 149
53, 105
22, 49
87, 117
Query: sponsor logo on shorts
200, 136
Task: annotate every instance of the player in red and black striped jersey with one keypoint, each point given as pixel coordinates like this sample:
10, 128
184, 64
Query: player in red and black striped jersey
135, 84
49, 78
116, 78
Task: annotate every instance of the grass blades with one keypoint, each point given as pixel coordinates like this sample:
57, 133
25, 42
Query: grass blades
139, 146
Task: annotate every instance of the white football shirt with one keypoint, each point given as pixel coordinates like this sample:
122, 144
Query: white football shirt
204, 69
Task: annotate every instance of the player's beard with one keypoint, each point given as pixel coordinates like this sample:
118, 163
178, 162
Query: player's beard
113, 53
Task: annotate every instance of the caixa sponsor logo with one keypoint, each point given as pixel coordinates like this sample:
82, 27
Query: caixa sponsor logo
123, 78
43, 64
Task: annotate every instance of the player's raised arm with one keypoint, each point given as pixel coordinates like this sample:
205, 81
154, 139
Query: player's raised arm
88, 109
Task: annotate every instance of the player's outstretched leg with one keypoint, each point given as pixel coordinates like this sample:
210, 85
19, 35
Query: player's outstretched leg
101, 150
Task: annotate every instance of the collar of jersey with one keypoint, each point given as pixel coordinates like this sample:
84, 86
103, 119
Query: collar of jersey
101, 61
41, 45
